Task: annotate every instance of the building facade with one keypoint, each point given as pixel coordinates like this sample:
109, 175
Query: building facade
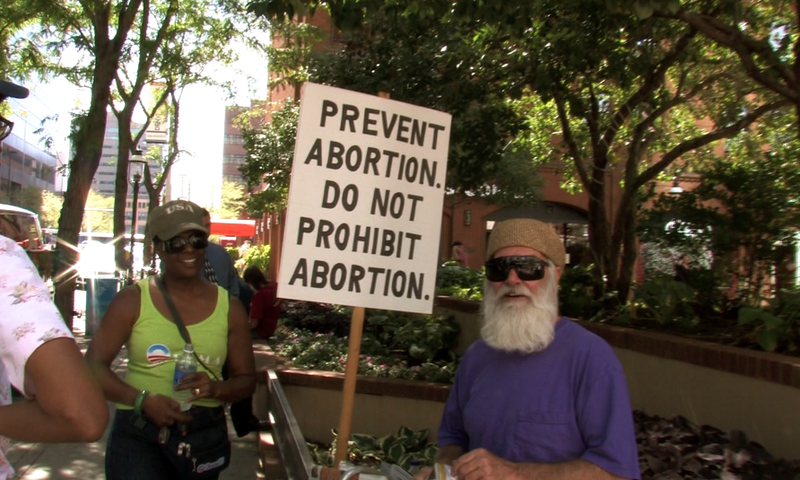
25, 162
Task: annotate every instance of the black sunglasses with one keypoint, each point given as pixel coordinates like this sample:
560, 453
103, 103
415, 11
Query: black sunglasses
5, 128
528, 268
178, 244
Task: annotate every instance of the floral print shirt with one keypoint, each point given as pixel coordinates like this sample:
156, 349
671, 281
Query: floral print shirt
28, 318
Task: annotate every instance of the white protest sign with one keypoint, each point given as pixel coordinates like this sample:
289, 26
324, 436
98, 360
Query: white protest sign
365, 202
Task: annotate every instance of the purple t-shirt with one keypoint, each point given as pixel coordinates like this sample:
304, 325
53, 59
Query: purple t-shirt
567, 402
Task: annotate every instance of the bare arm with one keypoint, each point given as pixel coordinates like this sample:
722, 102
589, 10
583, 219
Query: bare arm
481, 465
68, 405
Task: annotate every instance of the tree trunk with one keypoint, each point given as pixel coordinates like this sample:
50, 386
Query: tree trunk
121, 190
598, 226
88, 150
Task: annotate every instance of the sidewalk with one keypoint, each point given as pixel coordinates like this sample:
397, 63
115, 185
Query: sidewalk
85, 461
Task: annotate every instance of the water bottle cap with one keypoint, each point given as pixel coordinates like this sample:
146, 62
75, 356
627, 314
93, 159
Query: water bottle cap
188, 348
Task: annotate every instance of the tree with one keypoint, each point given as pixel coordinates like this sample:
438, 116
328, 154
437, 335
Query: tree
233, 200
176, 41
631, 96
98, 29
604, 92
762, 35
433, 63
744, 208
270, 148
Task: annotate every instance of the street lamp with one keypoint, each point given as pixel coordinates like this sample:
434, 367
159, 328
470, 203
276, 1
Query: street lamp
136, 166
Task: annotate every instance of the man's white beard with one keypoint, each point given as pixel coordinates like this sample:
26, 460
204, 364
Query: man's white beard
524, 327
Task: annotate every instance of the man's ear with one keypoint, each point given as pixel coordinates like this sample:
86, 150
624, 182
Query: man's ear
558, 271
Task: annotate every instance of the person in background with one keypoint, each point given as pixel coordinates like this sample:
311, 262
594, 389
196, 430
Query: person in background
459, 253
260, 319
266, 306
38, 354
538, 397
218, 267
139, 317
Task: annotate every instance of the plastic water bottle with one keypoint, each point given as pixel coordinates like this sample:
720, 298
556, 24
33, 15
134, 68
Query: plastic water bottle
185, 364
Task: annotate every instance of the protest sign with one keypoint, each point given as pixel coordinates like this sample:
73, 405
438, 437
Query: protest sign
365, 202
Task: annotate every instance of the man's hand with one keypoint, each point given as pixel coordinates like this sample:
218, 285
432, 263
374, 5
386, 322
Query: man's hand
481, 465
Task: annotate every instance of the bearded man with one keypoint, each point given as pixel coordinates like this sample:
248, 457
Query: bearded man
538, 397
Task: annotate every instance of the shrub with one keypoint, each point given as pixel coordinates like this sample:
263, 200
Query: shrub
257, 255
578, 291
394, 345
455, 280
401, 448
777, 324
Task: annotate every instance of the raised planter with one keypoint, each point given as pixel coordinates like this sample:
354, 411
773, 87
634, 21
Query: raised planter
729, 388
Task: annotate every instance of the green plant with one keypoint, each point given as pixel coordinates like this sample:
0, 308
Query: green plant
666, 301
778, 323
233, 252
400, 448
423, 337
257, 255
326, 351
578, 291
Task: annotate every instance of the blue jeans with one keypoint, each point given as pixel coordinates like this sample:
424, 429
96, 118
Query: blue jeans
134, 453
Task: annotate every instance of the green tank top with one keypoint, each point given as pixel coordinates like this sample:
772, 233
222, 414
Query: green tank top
155, 342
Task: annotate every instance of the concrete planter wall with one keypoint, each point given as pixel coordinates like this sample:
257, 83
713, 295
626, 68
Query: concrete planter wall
730, 388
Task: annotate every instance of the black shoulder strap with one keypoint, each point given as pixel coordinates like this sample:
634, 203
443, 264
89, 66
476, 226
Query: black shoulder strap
174, 311
179, 321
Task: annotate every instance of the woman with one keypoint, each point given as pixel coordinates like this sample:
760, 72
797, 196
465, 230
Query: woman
151, 437
265, 306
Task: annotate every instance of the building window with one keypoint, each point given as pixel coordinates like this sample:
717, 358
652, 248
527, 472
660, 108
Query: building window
467, 218
234, 139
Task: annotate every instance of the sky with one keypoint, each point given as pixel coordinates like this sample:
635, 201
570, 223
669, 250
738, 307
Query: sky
198, 173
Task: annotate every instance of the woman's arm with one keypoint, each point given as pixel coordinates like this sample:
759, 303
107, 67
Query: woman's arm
68, 405
64, 403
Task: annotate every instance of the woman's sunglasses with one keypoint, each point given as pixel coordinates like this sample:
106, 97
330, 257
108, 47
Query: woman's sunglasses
178, 244
528, 268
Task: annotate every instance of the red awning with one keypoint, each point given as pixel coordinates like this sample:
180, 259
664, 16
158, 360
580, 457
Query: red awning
233, 228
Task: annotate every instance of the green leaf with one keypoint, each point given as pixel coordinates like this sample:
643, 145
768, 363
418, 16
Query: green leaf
748, 315
364, 442
767, 339
385, 442
771, 321
406, 434
643, 10
673, 6
396, 452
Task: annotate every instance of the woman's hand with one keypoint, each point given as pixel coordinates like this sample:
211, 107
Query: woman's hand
200, 385
164, 411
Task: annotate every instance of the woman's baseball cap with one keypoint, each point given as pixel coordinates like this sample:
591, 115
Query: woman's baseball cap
175, 217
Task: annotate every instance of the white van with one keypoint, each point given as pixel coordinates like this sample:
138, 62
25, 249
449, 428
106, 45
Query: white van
22, 226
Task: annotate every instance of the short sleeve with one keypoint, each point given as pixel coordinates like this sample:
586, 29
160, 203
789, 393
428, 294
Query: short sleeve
30, 318
606, 419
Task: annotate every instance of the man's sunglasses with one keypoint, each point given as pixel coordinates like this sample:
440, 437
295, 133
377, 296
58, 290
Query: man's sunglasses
528, 268
178, 244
